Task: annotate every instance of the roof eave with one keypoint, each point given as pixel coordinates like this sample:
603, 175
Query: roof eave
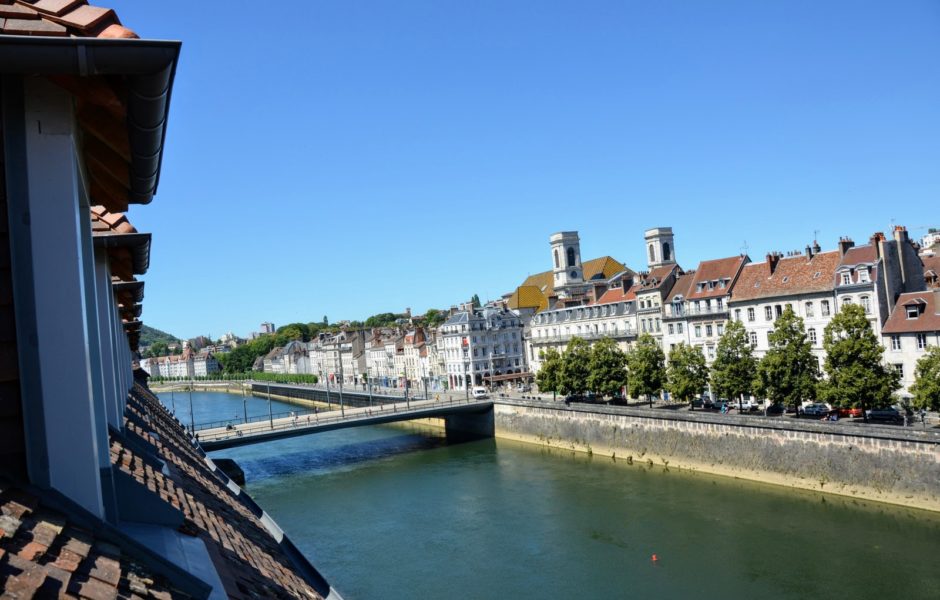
150, 67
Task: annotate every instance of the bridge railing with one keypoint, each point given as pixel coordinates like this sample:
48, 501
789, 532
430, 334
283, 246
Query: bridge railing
301, 419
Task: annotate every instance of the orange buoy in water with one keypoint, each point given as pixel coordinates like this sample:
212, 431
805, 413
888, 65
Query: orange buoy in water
655, 558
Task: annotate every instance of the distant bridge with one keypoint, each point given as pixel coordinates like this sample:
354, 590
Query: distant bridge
463, 417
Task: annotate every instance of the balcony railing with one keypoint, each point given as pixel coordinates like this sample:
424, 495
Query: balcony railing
588, 335
697, 312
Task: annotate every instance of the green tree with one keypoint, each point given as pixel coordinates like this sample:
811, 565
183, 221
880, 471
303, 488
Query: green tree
857, 375
687, 374
646, 367
549, 373
476, 301
158, 348
326, 321
734, 369
926, 388
575, 367
789, 372
434, 317
381, 320
607, 368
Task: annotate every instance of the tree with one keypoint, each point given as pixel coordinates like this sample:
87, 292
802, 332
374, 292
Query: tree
476, 301
549, 373
434, 317
856, 373
607, 368
734, 368
158, 348
647, 367
789, 372
575, 367
687, 374
926, 388
326, 321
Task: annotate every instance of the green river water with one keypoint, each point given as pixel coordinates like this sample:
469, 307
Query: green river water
397, 512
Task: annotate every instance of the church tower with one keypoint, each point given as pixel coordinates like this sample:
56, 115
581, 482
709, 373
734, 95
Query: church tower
566, 259
660, 249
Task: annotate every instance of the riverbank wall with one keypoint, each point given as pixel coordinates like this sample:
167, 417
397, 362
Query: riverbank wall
882, 463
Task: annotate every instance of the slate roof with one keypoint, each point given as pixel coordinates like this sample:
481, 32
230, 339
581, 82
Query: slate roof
927, 321
860, 255
725, 269
793, 275
60, 18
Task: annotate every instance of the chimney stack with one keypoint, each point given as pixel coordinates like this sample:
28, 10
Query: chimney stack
809, 251
900, 233
772, 259
844, 244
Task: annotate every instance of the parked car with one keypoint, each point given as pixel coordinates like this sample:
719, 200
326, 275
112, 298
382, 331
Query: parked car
889, 414
776, 409
850, 412
816, 409
747, 405
697, 403
722, 405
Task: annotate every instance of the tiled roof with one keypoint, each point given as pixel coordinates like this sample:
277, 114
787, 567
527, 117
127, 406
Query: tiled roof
928, 319
931, 269
103, 221
682, 287
45, 553
528, 296
859, 255
654, 280
250, 562
605, 265
721, 269
792, 275
60, 18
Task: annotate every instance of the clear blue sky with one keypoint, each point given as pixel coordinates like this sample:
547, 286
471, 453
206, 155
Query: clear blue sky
346, 158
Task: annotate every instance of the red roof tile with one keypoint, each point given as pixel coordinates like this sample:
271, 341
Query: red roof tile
721, 269
682, 287
104, 221
928, 319
792, 275
60, 18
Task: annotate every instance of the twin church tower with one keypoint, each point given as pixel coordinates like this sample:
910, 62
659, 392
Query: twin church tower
567, 271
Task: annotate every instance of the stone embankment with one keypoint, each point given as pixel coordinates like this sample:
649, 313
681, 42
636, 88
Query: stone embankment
884, 463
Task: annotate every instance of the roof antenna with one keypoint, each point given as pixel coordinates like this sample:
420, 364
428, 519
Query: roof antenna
745, 247
815, 235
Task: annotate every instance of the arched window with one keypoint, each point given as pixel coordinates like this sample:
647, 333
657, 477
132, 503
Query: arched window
866, 303
570, 257
556, 258
652, 253
666, 255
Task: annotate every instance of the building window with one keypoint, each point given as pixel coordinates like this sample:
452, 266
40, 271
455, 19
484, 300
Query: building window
698, 331
921, 341
711, 352
895, 342
863, 275
737, 314
652, 254
721, 329
750, 315
556, 258
753, 339
768, 313
809, 309
846, 278
912, 312
846, 300
719, 304
679, 327
671, 329
824, 308
570, 257
899, 368
812, 335
667, 252
708, 330
778, 309
866, 304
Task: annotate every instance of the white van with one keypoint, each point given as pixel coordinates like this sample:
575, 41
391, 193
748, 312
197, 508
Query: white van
479, 393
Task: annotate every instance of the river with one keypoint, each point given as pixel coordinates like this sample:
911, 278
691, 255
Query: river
397, 512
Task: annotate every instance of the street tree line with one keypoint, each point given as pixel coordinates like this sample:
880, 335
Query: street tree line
788, 373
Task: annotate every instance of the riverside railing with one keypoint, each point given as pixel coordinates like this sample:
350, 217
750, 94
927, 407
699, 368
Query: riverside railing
297, 420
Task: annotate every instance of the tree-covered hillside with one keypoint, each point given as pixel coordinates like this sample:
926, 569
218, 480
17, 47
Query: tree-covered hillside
149, 335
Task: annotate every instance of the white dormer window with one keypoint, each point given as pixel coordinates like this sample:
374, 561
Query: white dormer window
912, 312
846, 278
863, 275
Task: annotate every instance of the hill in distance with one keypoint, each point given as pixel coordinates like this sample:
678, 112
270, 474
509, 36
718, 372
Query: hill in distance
149, 335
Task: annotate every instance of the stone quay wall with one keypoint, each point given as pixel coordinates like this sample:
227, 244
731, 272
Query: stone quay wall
898, 465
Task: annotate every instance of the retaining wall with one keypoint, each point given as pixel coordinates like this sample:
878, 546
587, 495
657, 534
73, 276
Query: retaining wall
888, 464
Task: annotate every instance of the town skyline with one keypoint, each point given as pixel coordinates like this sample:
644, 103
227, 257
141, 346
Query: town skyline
392, 149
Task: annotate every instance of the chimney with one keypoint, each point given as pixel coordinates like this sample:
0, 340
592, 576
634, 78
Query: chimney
772, 259
844, 244
816, 248
875, 241
809, 251
900, 234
